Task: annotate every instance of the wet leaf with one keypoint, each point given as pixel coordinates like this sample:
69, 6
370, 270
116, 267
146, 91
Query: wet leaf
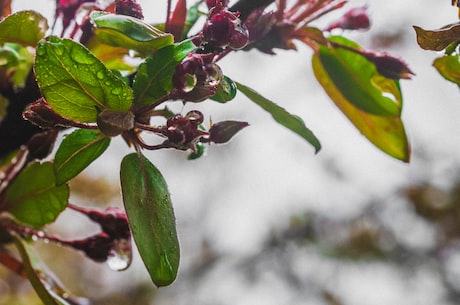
353, 75
24, 27
449, 68
281, 116
78, 150
76, 83
33, 197
128, 32
437, 40
151, 217
154, 77
385, 132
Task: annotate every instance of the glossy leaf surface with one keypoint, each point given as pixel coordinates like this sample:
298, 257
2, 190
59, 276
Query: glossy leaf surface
355, 77
437, 40
76, 83
151, 217
154, 77
36, 201
78, 150
24, 27
385, 132
281, 116
129, 32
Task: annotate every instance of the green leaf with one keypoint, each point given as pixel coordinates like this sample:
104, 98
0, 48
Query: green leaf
281, 116
33, 197
129, 32
437, 40
78, 150
193, 14
449, 68
154, 76
24, 27
76, 83
354, 77
226, 91
18, 60
385, 132
151, 217
3, 107
32, 274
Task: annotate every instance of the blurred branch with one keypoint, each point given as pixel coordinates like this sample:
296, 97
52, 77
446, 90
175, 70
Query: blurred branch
245, 7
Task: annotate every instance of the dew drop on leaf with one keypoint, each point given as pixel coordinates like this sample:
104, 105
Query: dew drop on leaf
120, 255
100, 75
116, 91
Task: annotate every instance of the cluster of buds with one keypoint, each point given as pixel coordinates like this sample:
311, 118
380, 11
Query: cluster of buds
224, 28
196, 78
184, 132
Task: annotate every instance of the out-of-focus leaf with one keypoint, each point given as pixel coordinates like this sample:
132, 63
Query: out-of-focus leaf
3, 107
223, 131
281, 116
154, 76
112, 57
193, 14
437, 40
200, 149
129, 32
176, 23
18, 60
151, 217
45, 284
32, 274
76, 83
33, 197
354, 76
78, 150
226, 91
8, 57
385, 132
24, 27
449, 68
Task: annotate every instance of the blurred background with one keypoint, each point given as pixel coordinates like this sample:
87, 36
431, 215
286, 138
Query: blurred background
263, 220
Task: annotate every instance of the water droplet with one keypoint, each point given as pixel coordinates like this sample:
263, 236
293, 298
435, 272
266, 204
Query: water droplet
116, 91
107, 83
120, 255
100, 74
83, 57
59, 49
41, 51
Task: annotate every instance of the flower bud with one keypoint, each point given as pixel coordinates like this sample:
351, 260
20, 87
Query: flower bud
224, 28
129, 8
113, 123
354, 19
389, 66
41, 114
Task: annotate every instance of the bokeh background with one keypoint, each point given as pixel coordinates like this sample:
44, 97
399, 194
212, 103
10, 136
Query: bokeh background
263, 220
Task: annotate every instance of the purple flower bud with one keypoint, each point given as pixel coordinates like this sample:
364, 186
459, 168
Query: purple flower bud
224, 28
222, 132
389, 66
213, 3
129, 8
41, 114
354, 19
183, 131
96, 247
41, 144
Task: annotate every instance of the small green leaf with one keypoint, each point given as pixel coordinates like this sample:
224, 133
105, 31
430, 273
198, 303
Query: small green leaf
76, 83
437, 40
193, 14
33, 197
151, 217
78, 150
154, 76
24, 27
129, 32
353, 75
385, 132
281, 116
449, 68
226, 91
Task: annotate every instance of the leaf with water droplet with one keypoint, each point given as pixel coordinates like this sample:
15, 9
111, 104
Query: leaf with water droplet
120, 255
226, 90
78, 150
33, 197
154, 77
76, 83
151, 217
24, 27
